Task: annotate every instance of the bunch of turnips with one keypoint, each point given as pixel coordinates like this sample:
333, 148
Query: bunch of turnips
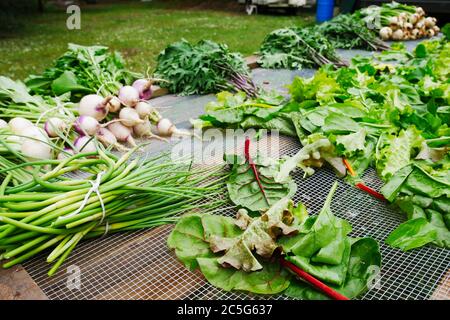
113, 121
398, 22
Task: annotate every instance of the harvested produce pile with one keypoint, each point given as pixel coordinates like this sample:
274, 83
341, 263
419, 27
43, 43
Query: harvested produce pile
374, 114
206, 67
53, 126
296, 48
243, 253
51, 210
346, 31
396, 21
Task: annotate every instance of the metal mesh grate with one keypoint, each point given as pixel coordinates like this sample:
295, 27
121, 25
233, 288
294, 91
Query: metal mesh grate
138, 265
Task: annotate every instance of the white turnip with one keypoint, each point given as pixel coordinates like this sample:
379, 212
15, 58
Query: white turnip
128, 96
129, 117
85, 144
18, 125
94, 106
54, 126
86, 125
122, 132
144, 88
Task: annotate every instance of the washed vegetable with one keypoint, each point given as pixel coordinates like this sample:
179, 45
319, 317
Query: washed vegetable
297, 48
118, 195
241, 254
86, 125
129, 96
144, 88
94, 106
202, 68
82, 70
54, 126
129, 117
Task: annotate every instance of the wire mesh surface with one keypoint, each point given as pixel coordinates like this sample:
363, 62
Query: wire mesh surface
138, 265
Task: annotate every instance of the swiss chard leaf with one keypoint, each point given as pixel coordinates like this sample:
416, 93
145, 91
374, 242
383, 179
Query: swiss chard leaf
244, 190
271, 279
362, 271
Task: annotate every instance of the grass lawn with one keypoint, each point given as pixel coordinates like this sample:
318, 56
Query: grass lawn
138, 30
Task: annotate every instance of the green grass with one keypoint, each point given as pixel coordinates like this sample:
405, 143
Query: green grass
138, 30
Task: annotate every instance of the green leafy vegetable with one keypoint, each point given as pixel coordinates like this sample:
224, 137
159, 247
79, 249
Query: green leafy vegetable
83, 69
202, 68
297, 48
243, 188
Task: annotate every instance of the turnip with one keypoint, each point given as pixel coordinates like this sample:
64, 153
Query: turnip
86, 125
420, 11
166, 128
85, 144
67, 153
35, 133
420, 24
94, 106
53, 126
397, 34
144, 88
114, 104
414, 18
394, 21
385, 33
128, 96
145, 130
415, 32
3, 124
430, 22
129, 117
145, 109
122, 132
18, 125
36, 149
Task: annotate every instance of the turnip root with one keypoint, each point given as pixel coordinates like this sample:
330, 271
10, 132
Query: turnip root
53, 126
397, 34
114, 104
129, 117
3, 124
144, 88
86, 125
18, 125
122, 132
108, 139
430, 22
94, 106
129, 96
36, 149
385, 33
167, 128
145, 130
145, 110
85, 144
